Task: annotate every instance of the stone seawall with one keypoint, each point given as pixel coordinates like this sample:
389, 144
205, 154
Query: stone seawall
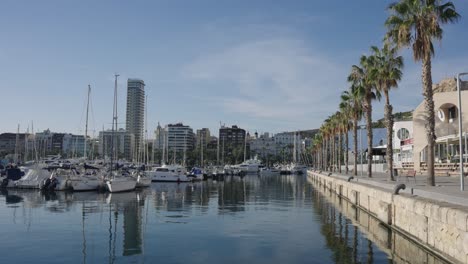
438, 226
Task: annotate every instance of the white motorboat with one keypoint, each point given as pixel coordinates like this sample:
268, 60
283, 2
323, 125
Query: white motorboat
297, 168
249, 166
169, 173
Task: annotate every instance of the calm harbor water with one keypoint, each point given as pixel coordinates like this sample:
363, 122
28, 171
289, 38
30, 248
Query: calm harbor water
280, 219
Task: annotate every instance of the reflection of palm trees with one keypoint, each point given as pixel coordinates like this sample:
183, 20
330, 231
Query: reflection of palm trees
335, 230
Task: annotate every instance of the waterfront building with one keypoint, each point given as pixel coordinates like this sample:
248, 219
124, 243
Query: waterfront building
446, 124
11, 143
285, 144
203, 137
263, 146
160, 137
135, 115
44, 141
402, 143
212, 143
180, 137
57, 142
121, 138
232, 136
73, 145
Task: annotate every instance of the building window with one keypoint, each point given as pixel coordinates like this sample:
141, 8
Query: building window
403, 134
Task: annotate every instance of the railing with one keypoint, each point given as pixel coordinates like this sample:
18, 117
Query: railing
445, 169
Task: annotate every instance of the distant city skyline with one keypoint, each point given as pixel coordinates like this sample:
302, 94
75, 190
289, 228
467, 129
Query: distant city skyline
266, 66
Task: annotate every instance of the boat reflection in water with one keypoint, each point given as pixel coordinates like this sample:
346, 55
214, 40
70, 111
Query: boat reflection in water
252, 219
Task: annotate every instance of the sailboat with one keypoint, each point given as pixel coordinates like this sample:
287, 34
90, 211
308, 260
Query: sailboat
295, 167
116, 182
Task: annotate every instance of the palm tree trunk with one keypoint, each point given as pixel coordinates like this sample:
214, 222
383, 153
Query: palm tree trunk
369, 134
333, 154
389, 123
355, 124
430, 122
346, 151
340, 148
324, 154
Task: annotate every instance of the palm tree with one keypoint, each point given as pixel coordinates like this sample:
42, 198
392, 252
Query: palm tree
351, 102
317, 146
344, 123
415, 24
360, 76
386, 73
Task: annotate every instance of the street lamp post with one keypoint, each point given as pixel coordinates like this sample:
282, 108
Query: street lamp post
462, 180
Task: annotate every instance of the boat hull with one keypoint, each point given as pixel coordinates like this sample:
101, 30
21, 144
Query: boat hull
121, 185
85, 185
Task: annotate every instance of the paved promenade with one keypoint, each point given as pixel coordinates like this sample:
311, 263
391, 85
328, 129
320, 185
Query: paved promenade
447, 189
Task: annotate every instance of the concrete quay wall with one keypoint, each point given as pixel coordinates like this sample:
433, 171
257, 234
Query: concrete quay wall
439, 226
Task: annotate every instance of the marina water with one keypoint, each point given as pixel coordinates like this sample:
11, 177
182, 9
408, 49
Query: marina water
254, 219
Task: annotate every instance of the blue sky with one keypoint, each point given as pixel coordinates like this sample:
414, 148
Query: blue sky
268, 66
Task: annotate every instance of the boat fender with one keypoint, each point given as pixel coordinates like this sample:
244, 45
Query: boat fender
350, 178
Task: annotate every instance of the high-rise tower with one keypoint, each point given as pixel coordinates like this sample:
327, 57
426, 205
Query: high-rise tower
135, 115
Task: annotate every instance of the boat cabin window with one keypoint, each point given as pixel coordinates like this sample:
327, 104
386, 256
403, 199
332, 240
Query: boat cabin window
162, 169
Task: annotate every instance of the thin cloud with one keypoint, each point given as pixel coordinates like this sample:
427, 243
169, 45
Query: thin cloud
271, 79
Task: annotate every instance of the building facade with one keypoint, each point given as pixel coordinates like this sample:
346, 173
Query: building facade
402, 143
73, 145
121, 138
232, 136
180, 137
446, 124
263, 146
203, 137
135, 115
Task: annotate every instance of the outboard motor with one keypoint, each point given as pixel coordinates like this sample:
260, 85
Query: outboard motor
50, 184
46, 184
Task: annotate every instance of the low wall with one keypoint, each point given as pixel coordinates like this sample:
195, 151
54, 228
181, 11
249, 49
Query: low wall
439, 226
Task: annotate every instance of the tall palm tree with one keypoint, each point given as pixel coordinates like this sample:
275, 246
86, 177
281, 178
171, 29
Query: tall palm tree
344, 123
386, 73
415, 24
352, 103
317, 146
360, 75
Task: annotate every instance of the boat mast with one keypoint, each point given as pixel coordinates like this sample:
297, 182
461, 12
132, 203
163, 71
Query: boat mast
163, 160
294, 149
245, 145
201, 149
114, 121
185, 148
86, 126
146, 130
17, 145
